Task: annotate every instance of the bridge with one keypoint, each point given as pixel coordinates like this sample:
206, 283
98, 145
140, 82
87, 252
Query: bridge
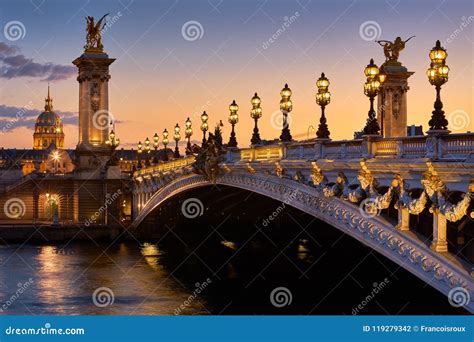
348, 184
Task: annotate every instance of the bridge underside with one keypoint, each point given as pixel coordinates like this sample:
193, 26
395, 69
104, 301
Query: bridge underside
403, 248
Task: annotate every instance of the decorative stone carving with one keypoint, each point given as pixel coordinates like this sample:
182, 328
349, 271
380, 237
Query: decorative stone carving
414, 205
250, 168
317, 176
208, 158
337, 188
280, 172
299, 177
95, 96
455, 212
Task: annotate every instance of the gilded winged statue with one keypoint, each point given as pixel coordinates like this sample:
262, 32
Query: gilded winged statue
392, 50
94, 33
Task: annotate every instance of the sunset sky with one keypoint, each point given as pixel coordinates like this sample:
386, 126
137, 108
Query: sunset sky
162, 76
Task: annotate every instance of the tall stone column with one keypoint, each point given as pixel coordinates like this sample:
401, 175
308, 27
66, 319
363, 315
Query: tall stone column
94, 115
392, 100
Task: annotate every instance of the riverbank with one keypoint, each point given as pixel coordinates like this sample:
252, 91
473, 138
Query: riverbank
13, 233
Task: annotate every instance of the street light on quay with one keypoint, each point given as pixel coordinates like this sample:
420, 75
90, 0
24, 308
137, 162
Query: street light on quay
371, 88
255, 114
438, 75
188, 133
323, 98
286, 106
204, 126
177, 138
233, 119
165, 143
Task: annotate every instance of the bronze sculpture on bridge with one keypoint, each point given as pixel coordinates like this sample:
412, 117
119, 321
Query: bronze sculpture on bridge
94, 34
392, 50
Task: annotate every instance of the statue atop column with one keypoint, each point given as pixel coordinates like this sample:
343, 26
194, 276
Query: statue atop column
392, 99
94, 34
392, 50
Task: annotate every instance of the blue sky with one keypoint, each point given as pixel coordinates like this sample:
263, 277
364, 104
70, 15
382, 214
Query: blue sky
160, 78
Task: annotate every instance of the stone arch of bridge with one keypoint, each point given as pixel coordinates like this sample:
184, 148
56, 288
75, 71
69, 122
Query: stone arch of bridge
404, 248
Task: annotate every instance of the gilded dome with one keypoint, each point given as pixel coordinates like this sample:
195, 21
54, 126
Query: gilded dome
48, 128
48, 119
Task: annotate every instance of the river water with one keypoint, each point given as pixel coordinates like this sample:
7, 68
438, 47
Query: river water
62, 280
129, 278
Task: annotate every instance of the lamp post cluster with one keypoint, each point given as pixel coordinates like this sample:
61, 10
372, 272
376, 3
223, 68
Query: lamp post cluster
146, 149
375, 78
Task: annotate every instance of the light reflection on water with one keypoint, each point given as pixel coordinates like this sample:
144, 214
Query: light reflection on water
64, 279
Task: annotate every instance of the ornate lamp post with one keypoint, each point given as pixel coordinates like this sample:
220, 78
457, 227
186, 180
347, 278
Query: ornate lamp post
256, 113
147, 149
371, 88
204, 126
165, 143
112, 141
156, 138
139, 151
286, 106
233, 119
438, 75
323, 98
188, 133
177, 138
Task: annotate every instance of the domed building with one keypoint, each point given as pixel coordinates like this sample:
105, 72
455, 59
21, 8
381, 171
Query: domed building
48, 128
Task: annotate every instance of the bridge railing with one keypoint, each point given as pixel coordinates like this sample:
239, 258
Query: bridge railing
452, 146
165, 166
443, 147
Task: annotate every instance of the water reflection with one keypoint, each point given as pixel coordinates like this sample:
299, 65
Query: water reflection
65, 277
